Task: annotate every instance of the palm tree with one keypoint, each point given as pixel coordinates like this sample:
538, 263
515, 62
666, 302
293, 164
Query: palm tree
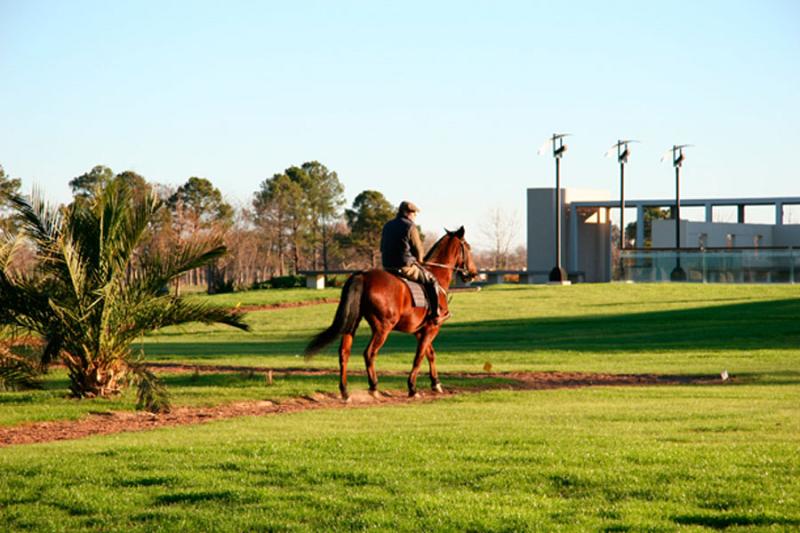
96, 288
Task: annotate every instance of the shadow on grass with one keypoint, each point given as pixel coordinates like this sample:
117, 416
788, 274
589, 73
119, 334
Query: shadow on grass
772, 378
724, 521
194, 497
742, 326
149, 481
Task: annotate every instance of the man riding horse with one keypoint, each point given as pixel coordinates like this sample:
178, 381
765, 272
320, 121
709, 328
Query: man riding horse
384, 301
401, 252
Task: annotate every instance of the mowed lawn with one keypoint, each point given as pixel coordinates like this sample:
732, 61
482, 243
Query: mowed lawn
681, 328
628, 458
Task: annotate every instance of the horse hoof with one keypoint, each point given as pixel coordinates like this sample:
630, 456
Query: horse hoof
375, 394
414, 394
345, 397
437, 388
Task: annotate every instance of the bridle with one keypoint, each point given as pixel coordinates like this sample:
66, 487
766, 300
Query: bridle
463, 270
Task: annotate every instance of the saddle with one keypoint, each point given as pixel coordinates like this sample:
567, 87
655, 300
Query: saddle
418, 298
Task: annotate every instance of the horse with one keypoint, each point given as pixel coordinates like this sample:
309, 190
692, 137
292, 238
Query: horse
384, 300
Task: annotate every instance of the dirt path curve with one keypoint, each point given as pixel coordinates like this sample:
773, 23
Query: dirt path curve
122, 421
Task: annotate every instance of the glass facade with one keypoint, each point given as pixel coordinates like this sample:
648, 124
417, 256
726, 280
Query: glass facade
734, 265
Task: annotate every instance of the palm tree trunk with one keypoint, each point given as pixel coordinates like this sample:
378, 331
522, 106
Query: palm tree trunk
99, 379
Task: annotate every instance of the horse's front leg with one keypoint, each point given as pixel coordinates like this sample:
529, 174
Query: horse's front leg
424, 340
436, 385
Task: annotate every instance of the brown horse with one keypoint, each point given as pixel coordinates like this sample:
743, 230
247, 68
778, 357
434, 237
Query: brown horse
385, 302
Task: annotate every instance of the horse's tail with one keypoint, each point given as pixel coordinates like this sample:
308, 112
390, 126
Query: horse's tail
348, 314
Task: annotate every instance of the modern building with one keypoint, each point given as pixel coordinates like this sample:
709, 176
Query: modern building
711, 251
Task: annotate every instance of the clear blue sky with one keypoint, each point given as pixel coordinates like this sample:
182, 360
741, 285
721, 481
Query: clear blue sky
443, 103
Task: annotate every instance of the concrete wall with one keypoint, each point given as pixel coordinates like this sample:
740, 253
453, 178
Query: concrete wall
786, 235
591, 253
594, 248
541, 229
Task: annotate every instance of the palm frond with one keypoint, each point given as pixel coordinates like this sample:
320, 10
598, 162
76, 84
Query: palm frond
165, 311
76, 268
9, 246
17, 369
81, 229
151, 395
41, 222
51, 351
156, 270
24, 303
124, 223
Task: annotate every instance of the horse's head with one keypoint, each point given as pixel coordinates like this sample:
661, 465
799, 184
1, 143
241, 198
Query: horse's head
464, 262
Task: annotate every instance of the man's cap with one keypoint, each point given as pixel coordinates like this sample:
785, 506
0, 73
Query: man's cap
408, 207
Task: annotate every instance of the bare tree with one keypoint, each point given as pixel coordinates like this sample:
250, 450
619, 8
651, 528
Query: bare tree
499, 230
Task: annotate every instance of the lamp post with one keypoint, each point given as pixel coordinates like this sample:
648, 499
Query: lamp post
558, 274
623, 152
677, 274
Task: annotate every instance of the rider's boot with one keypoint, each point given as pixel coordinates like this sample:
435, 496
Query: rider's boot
444, 309
438, 313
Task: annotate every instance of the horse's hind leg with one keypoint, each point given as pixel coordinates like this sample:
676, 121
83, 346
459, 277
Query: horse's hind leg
379, 336
424, 341
344, 357
436, 385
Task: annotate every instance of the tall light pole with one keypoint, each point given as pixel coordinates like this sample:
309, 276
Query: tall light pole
678, 274
558, 274
623, 152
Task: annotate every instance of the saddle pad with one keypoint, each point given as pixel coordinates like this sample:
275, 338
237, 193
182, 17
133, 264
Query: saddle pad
417, 293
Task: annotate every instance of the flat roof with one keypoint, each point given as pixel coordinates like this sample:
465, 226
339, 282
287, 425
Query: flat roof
774, 200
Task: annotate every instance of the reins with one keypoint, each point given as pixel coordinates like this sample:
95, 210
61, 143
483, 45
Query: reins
461, 270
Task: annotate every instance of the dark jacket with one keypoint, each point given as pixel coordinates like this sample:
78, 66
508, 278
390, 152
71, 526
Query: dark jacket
400, 243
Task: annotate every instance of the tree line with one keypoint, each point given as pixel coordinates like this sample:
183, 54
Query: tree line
296, 221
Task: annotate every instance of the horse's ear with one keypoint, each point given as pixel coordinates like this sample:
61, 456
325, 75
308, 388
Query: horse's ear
448, 231
459, 232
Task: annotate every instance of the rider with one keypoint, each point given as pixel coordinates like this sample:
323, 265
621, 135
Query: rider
401, 252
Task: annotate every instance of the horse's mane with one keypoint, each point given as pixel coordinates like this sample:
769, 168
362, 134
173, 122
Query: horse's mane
435, 247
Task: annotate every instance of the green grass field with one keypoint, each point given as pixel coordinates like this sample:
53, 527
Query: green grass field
723, 456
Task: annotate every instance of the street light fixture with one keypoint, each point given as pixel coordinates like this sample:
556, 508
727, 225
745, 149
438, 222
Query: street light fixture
678, 274
558, 274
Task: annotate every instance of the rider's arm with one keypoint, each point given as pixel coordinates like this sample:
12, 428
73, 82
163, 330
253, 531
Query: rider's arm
416, 243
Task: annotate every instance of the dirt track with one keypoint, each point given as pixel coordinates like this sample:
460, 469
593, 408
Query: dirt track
122, 421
